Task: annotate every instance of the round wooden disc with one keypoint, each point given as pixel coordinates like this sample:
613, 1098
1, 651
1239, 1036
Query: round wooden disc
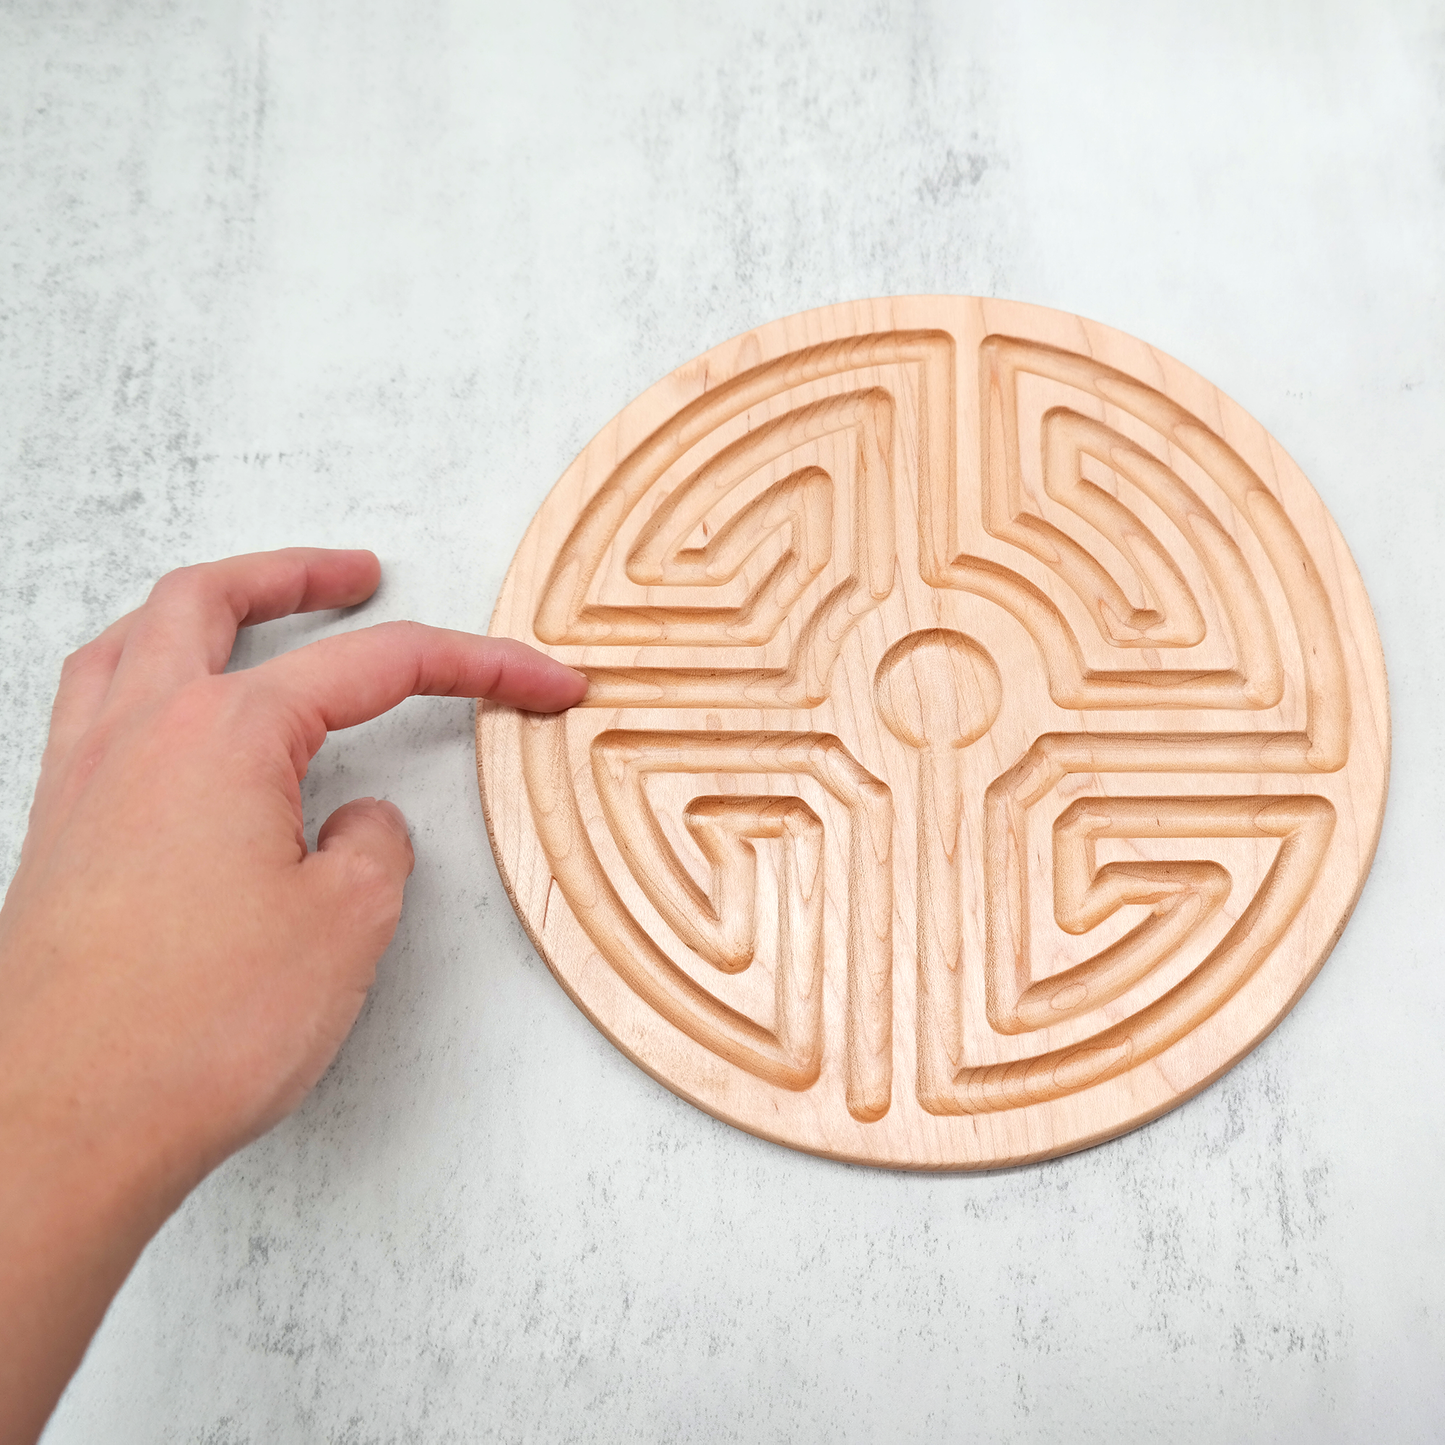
987, 738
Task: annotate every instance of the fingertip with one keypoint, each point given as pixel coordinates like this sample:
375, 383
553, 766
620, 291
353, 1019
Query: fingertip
581, 686
553, 687
394, 817
364, 567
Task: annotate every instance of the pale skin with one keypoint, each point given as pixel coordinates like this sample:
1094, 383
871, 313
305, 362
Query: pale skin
177, 968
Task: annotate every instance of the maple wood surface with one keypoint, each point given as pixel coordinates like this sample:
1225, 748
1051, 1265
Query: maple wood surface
987, 738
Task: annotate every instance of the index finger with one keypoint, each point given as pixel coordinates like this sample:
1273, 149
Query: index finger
353, 677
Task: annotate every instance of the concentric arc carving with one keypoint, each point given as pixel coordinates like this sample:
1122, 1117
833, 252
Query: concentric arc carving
819, 548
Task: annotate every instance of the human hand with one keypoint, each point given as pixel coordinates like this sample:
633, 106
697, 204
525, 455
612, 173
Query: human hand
176, 969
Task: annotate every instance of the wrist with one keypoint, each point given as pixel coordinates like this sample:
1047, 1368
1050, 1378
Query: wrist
80, 1133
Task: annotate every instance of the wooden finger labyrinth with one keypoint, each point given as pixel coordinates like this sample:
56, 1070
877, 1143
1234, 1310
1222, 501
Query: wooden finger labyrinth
987, 736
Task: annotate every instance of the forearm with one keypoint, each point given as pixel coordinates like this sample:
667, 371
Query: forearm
81, 1192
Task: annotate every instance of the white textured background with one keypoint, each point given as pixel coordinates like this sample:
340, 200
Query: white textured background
370, 274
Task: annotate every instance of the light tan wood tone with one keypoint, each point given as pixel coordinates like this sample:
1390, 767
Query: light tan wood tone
987, 739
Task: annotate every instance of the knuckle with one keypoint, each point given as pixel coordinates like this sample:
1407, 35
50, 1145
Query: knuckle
199, 708
94, 658
403, 630
171, 582
78, 662
181, 585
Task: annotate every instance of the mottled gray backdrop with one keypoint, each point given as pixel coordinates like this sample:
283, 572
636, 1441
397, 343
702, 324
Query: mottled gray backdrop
371, 274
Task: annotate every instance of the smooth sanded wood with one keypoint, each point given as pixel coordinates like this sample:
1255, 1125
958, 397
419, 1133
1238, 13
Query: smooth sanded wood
987, 736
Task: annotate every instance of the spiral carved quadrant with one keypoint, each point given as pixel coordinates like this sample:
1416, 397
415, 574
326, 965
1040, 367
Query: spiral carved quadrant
987, 735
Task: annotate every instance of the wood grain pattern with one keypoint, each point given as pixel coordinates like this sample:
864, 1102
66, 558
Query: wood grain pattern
987, 738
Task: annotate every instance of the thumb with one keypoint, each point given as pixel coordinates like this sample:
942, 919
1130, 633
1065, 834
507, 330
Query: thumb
365, 853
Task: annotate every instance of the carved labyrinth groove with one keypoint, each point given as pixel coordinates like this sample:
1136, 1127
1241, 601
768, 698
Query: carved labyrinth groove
895, 616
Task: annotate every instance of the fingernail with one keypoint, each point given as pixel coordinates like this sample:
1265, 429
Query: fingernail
395, 815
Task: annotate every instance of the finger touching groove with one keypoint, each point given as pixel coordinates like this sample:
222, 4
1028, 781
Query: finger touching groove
188, 624
359, 675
